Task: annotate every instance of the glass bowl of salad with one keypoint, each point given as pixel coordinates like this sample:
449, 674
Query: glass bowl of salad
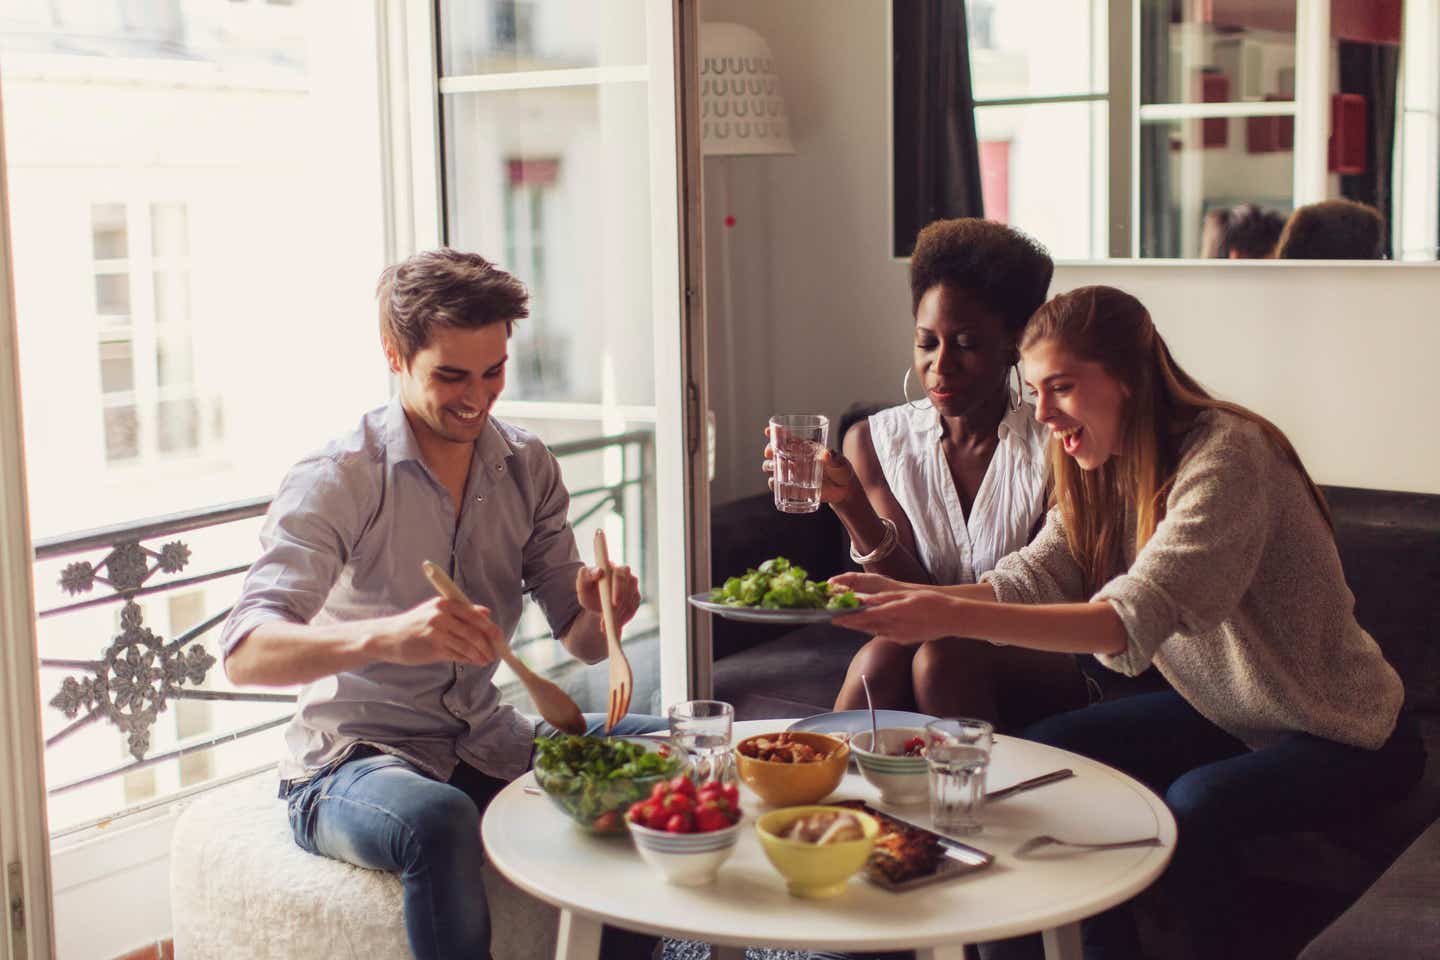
594, 780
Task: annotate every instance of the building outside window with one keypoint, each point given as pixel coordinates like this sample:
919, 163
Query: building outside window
151, 399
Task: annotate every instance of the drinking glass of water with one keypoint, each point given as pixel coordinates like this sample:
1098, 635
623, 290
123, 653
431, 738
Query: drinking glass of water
797, 440
958, 754
701, 728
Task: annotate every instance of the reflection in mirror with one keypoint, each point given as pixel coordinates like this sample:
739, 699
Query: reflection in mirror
1151, 128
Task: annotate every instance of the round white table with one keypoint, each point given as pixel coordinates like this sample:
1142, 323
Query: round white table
595, 880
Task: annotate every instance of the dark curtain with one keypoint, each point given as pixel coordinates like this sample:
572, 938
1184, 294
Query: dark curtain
1372, 70
937, 160
1159, 213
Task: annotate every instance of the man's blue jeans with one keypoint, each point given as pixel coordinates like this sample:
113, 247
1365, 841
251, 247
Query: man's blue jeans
379, 811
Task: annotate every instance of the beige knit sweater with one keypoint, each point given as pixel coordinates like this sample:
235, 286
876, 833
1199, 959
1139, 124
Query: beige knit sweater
1238, 598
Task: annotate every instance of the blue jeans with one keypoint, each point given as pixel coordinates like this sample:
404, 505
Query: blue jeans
1222, 794
380, 812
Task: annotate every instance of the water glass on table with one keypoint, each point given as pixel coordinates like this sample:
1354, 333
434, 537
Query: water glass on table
702, 728
958, 754
797, 440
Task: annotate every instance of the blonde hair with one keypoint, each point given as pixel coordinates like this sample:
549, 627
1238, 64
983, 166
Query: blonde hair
1112, 328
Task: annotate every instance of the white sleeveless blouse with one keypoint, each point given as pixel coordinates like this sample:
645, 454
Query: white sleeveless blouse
955, 548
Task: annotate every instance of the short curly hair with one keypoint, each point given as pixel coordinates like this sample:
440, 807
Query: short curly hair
1006, 270
444, 288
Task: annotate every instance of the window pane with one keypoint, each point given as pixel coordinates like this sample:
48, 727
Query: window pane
261, 237
246, 251
117, 366
108, 220
122, 433
499, 36
521, 169
1190, 167
172, 298
1063, 204
1009, 57
1228, 50
177, 425
112, 294
174, 360
167, 230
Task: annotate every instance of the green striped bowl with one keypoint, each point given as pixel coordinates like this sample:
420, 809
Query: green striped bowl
900, 780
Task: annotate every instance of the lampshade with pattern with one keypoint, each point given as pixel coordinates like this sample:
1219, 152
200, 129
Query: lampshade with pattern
741, 110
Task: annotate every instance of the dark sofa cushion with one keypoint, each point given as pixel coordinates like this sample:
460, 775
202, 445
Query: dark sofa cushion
1390, 547
801, 670
1398, 917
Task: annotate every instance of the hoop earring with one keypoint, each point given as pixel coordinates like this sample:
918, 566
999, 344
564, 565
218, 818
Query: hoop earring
905, 390
1015, 399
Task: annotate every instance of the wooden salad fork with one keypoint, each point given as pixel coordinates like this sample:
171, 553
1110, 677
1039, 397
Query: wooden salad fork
553, 703
622, 681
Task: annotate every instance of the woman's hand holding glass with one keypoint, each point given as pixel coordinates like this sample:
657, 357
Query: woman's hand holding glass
838, 481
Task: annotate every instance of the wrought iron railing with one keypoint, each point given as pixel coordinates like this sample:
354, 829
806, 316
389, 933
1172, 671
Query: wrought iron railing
139, 674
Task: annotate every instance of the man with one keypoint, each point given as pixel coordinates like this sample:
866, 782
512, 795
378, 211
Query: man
1333, 230
401, 739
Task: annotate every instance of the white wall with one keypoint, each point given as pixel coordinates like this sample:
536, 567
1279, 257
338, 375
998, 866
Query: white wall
1341, 357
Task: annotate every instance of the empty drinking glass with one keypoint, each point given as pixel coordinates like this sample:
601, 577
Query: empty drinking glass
958, 754
797, 440
701, 728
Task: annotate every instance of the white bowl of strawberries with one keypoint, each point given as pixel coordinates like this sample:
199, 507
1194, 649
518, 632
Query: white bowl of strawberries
686, 832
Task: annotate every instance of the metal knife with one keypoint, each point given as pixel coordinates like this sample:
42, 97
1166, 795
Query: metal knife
1053, 776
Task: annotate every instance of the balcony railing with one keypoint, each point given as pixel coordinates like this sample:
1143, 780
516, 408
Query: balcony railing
139, 674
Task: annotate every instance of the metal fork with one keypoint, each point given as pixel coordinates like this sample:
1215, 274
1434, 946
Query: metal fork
1045, 840
622, 680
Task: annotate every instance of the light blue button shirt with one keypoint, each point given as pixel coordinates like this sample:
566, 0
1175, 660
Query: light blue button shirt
344, 540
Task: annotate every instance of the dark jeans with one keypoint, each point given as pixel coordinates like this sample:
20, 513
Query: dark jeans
1221, 794
378, 811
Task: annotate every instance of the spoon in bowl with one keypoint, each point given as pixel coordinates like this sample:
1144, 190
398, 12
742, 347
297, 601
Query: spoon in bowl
875, 745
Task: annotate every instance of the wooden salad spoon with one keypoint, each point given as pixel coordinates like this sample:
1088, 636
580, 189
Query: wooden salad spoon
553, 703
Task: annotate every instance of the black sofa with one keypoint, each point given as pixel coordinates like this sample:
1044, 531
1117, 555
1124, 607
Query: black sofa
1390, 547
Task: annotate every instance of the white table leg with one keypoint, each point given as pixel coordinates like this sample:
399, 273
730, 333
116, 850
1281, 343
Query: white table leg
578, 937
1062, 943
947, 951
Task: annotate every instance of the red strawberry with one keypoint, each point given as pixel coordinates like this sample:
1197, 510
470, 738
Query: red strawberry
683, 785
607, 822
710, 818
656, 816
659, 791
678, 803
732, 794
636, 813
680, 823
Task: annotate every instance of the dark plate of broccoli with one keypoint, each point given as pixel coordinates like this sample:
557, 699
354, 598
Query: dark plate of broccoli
777, 591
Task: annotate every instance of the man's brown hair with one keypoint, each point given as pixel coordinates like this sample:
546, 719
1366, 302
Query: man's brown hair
444, 288
1333, 230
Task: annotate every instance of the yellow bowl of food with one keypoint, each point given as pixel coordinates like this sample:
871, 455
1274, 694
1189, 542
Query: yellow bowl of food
791, 768
817, 849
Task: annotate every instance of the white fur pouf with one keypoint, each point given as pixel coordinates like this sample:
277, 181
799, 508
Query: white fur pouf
240, 887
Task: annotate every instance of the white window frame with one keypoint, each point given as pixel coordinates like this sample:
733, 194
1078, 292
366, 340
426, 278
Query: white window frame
682, 508
24, 836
